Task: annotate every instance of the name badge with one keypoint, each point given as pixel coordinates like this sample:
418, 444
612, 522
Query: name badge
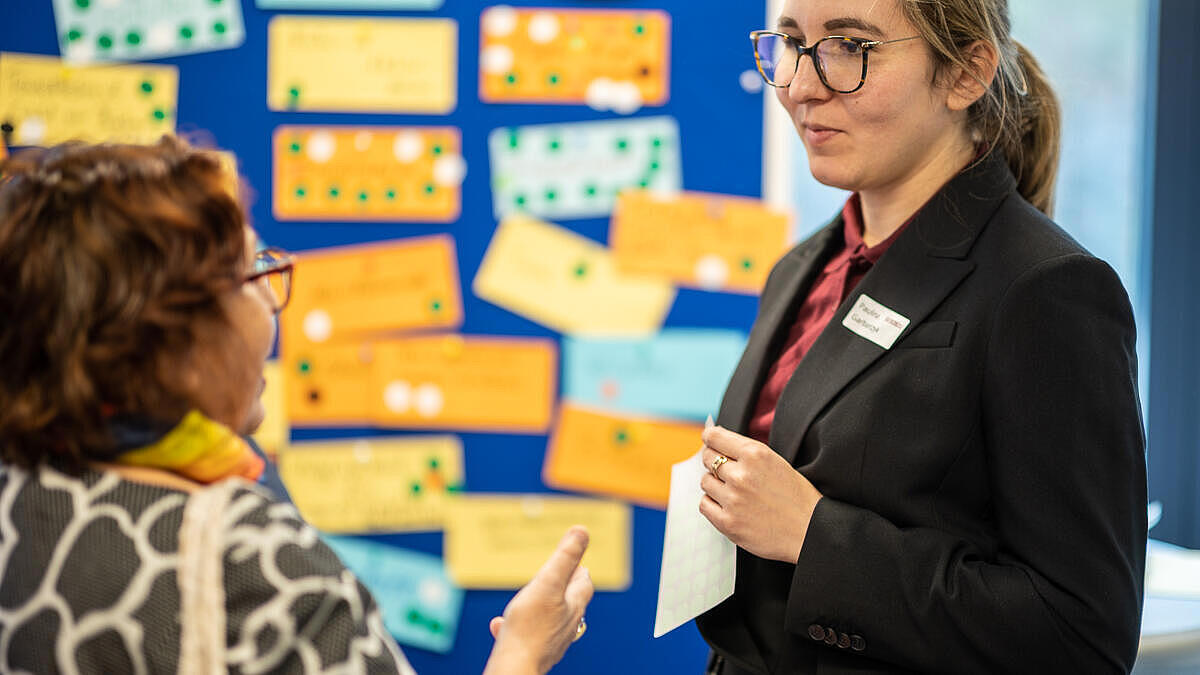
873, 321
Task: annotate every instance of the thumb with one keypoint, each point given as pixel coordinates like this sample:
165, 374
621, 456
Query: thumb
494, 626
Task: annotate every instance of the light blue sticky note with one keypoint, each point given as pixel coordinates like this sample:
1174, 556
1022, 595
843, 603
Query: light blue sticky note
576, 169
678, 373
348, 4
420, 605
135, 30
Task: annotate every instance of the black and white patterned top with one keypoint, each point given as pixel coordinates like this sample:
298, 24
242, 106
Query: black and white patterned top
89, 583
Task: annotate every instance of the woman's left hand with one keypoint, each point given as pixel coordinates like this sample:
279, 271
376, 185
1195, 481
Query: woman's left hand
756, 499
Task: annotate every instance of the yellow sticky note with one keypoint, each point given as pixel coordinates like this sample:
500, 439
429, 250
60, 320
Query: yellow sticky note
355, 291
619, 456
368, 173
567, 282
327, 383
48, 101
272, 434
708, 241
500, 541
608, 59
369, 64
465, 382
375, 485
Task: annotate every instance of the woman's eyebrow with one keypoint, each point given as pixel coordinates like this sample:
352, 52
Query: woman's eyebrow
851, 22
787, 22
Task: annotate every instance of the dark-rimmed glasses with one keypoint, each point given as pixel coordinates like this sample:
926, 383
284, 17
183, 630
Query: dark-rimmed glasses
840, 62
273, 272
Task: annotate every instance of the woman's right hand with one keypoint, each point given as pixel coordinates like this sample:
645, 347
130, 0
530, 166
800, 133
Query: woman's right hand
543, 618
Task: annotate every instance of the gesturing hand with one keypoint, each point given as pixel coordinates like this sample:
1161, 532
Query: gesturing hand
756, 499
542, 619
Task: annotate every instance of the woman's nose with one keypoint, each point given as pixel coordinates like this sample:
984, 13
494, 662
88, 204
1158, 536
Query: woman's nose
806, 85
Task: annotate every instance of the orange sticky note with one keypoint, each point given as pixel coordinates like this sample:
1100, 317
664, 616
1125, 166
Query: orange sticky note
619, 456
327, 383
368, 173
708, 241
355, 291
465, 382
610, 59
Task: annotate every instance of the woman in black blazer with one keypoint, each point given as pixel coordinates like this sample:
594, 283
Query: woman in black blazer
931, 454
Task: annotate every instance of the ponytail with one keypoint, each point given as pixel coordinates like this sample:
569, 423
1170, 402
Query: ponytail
1019, 115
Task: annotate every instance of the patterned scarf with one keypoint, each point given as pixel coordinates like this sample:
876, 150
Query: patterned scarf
197, 448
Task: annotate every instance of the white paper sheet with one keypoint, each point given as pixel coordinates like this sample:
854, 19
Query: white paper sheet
698, 565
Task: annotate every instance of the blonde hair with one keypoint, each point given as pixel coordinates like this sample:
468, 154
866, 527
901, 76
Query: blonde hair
1019, 115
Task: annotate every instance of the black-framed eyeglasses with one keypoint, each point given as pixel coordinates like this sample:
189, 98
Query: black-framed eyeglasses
840, 62
273, 272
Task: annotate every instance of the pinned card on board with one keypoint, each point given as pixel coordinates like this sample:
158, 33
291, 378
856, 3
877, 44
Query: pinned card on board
373, 485
368, 64
48, 101
368, 173
465, 382
420, 605
133, 30
500, 541
615, 60
329, 383
679, 372
699, 564
587, 444
707, 241
567, 282
576, 169
360, 290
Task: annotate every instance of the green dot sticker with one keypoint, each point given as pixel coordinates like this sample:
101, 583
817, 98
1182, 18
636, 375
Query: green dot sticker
219, 28
581, 270
304, 367
293, 95
747, 264
656, 142
435, 306
511, 78
555, 145
147, 87
644, 183
654, 165
301, 192
82, 4
334, 192
514, 140
134, 38
552, 79
621, 437
429, 188
363, 196
294, 147
186, 32
216, 2
436, 150
433, 463
160, 114
519, 200
105, 41
416, 488
390, 194
639, 29
74, 34
590, 190
622, 144
551, 195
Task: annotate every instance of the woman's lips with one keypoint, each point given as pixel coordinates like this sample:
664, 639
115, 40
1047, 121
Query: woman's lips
815, 134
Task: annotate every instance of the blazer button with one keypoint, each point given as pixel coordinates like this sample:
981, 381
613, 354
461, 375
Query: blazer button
831, 637
857, 643
816, 632
843, 641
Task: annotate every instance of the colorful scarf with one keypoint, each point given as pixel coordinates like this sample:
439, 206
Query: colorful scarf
197, 448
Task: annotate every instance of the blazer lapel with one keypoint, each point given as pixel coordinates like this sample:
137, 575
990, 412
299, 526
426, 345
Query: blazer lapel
796, 272
926, 262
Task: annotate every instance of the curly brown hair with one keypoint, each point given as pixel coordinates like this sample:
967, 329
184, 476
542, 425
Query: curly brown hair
112, 257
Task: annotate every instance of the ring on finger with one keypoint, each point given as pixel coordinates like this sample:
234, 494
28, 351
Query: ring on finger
716, 466
580, 630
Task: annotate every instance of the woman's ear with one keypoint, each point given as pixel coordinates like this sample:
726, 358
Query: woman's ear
968, 83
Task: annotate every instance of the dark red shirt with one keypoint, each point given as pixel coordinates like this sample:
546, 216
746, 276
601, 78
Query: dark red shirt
841, 274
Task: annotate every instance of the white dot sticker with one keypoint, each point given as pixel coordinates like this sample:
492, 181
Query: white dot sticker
31, 131
429, 401
433, 593
711, 272
321, 146
543, 27
80, 52
751, 81
160, 37
626, 98
408, 146
362, 141
397, 396
496, 59
318, 325
500, 21
599, 94
449, 170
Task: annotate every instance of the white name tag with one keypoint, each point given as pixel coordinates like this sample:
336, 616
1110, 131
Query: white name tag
873, 321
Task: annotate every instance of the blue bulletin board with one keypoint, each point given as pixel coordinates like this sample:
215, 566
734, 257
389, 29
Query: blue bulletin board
222, 94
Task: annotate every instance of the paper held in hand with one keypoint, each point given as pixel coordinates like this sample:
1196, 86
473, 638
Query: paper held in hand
698, 563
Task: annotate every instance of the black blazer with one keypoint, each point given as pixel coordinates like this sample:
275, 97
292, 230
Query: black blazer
984, 479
